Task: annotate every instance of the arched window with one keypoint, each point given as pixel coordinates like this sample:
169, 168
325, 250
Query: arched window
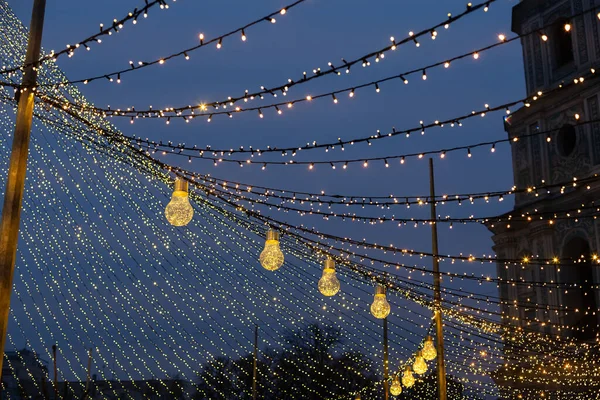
566, 140
563, 43
583, 296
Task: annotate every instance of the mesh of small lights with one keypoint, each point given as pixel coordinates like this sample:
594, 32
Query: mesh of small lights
104, 274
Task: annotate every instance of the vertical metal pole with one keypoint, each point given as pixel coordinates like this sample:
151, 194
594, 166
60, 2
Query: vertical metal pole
89, 375
385, 360
11, 213
55, 373
437, 295
255, 363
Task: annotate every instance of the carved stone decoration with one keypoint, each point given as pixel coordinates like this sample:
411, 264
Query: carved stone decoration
527, 53
595, 128
537, 57
580, 32
567, 229
528, 9
572, 151
520, 152
563, 168
594, 27
536, 153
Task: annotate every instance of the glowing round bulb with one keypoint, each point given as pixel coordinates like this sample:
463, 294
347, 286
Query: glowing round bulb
420, 367
380, 307
396, 387
271, 258
429, 351
179, 211
408, 379
329, 284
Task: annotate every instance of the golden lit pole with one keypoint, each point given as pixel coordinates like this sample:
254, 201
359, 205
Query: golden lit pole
437, 295
15, 183
385, 360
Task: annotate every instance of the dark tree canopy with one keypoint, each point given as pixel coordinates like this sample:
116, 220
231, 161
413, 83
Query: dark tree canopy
309, 367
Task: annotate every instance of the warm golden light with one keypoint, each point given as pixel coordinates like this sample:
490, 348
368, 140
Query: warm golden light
396, 387
429, 351
271, 258
408, 379
329, 284
420, 367
380, 307
179, 211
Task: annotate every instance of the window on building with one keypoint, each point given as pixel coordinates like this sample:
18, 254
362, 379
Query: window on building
563, 44
581, 298
566, 140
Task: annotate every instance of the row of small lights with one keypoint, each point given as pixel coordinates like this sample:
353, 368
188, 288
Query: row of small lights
179, 212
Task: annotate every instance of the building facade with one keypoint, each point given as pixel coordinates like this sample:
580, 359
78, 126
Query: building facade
24, 376
554, 141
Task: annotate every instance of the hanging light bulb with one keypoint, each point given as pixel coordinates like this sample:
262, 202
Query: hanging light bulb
429, 351
420, 367
179, 211
408, 379
329, 284
271, 258
396, 387
380, 307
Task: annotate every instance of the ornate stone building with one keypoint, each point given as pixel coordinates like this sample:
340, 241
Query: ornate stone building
568, 50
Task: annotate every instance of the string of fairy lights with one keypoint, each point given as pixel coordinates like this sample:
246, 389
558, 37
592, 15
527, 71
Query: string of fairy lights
219, 244
405, 251
115, 26
325, 199
203, 42
216, 158
317, 72
179, 112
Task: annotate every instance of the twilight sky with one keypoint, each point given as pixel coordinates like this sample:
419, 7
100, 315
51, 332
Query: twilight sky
307, 37
310, 36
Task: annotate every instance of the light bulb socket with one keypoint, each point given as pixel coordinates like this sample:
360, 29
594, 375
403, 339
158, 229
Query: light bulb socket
181, 185
329, 263
407, 369
380, 289
272, 235
428, 338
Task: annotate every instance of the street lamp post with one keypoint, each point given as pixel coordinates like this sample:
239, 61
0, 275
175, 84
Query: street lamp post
437, 295
385, 360
15, 183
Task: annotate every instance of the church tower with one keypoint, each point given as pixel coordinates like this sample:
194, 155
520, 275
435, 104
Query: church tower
567, 306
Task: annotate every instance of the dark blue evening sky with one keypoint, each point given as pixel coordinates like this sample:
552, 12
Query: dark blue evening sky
309, 36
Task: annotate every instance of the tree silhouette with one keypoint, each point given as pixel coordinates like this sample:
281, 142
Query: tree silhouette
310, 366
